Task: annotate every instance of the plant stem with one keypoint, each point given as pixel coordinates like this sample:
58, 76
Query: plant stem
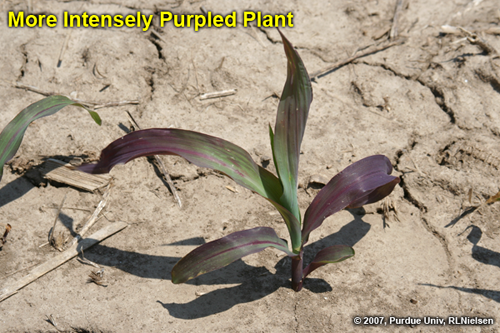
297, 271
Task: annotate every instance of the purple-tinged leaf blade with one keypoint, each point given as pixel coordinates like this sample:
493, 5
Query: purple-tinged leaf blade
200, 149
204, 151
222, 252
13, 133
291, 119
361, 183
328, 255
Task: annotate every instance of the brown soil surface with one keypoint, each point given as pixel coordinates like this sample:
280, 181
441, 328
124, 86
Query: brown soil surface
431, 104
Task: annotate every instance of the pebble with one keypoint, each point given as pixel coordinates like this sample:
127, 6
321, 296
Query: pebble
318, 179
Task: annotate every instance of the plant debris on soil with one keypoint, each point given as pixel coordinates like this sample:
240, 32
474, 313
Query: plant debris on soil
430, 102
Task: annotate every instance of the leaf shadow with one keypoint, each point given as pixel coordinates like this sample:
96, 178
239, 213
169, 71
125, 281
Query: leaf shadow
14, 190
482, 255
479, 253
68, 222
258, 282
34, 176
253, 283
466, 212
491, 294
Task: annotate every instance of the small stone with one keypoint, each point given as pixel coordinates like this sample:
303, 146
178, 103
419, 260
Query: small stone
265, 158
413, 301
318, 180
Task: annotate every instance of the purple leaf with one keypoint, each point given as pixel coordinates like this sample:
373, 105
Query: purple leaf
200, 149
290, 125
204, 151
361, 183
223, 251
328, 255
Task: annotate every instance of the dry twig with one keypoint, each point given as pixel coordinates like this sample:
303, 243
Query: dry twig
56, 243
93, 218
63, 48
344, 62
217, 94
157, 35
93, 105
3, 240
395, 20
449, 29
60, 259
84, 260
482, 43
161, 166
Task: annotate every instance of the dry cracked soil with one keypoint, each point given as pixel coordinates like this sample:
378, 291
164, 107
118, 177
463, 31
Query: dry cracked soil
430, 103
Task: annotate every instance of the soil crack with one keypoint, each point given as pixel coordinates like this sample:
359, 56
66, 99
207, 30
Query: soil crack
22, 70
295, 317
441, 101
269, 38
444, 243
435, 90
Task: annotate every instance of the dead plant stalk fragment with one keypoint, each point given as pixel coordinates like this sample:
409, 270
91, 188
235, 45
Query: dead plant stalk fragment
8, 227
60, 259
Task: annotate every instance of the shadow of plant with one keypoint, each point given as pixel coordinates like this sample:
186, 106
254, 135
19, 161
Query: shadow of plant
254, 282
14, 190
484, 256
491, 294
479, 253
466, 212
33, 177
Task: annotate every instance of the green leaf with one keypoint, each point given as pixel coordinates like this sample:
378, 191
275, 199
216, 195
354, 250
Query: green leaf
291, 121
292, 224
223, 251
13, 133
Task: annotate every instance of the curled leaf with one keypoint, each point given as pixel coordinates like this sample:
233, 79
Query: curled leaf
223, 251
204, 151
200, 149
328, 255
13, 133
361, 183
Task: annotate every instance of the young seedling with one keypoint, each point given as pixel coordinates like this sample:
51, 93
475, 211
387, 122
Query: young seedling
363, 182
13, 133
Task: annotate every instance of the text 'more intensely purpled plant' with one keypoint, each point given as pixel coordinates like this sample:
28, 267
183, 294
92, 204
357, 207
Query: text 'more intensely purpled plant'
363, 182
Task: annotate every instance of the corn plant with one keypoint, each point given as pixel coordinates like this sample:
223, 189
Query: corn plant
13, 133
363, 182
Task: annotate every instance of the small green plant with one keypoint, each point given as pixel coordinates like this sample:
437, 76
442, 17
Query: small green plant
363, 182
13, 133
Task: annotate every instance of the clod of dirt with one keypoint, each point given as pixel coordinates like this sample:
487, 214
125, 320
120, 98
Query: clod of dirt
20, 164
317, 180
